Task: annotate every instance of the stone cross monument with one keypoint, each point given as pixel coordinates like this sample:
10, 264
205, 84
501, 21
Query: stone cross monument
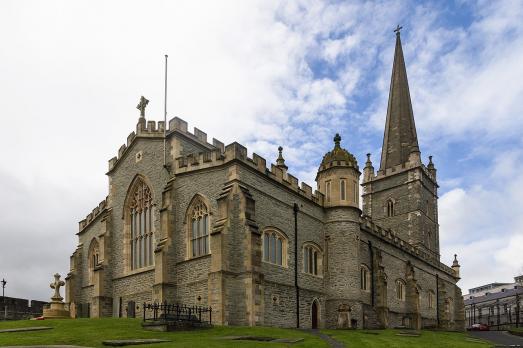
56, 310
56, 286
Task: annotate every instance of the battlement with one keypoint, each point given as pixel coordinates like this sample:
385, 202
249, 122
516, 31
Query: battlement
217, 154
153, 129
402, 168
176, 124
236, 151
92, 215
390, 236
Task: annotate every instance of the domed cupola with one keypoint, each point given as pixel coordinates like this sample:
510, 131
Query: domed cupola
338, 177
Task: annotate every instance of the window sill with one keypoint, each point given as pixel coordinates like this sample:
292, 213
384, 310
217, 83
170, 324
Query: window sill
275, 264
194, 258
136, 271
319, 276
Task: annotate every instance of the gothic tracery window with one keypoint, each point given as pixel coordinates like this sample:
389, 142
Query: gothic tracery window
199, 229
141, 210
312, 259
274, 248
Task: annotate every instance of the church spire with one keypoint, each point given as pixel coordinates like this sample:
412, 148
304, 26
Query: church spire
400, 139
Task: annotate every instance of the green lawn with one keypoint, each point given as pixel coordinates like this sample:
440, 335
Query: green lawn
91, 332
390, 339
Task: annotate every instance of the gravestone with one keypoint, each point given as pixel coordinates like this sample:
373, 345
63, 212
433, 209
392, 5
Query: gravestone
344, 319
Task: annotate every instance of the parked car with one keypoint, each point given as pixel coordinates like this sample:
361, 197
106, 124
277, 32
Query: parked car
478, 327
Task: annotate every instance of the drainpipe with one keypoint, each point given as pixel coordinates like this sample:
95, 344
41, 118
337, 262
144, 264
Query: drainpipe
296, 209
371, 251
437, 298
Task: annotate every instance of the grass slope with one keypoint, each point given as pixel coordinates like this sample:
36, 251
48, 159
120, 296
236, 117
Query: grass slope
91, 332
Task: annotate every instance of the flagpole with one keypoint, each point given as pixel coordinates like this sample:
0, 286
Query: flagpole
165, 119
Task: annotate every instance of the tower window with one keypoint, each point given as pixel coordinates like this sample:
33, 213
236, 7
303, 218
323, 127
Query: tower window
328, 191
390, 207
355, 186
343, 189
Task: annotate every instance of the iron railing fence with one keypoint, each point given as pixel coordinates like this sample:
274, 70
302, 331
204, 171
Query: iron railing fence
177, 312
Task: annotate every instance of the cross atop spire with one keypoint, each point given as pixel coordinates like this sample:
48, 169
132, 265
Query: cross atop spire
400, 138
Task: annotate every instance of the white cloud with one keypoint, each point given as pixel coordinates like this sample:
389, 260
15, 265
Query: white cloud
483, 224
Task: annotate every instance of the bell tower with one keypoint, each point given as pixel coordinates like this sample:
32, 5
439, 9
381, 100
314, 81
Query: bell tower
403, 195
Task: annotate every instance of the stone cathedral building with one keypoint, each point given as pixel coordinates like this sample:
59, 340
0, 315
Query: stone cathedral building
204, 224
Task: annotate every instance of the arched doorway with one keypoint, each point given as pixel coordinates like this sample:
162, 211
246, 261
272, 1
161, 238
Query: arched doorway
315, 314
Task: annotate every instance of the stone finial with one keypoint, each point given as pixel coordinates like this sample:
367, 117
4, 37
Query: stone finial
56, 286
142, 105
455, 262
369, 162
431, 164
455, 266
431, 168
280, 161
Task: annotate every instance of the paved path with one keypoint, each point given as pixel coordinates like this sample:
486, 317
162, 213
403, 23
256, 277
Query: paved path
502, 338
331, 341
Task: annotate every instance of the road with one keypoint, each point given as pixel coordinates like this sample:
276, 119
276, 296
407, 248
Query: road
499, 338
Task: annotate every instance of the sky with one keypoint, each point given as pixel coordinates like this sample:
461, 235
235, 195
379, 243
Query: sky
263, 73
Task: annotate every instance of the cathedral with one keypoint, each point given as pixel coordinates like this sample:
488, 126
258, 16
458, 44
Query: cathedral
198, 223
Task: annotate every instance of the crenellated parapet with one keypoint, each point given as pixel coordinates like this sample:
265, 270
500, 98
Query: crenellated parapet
392, 237
97, 211
153, 129
238, 152
217, 154
402, 168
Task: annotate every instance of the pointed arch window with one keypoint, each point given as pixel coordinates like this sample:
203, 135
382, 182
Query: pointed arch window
141, 211
390, 207
199, 229
328, 191
93, 259
312, 259
364, 278
274, 247
400, 290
